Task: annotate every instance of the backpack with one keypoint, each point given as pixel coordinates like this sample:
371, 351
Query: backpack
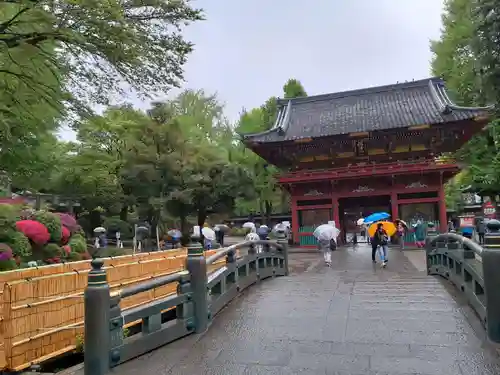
382, 238
333, 245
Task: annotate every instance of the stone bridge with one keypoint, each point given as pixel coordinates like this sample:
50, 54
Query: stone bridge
354, 318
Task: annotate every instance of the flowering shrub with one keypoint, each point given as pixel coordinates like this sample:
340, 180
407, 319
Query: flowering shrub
20, 244
78, 244
29, 235
52, 222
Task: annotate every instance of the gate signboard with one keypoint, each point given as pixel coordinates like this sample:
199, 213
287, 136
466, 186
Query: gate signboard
489, 210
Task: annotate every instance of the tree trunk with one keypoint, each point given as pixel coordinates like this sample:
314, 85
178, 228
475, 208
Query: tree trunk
124, 213
262, 210
269, 211
202, 216
94, 219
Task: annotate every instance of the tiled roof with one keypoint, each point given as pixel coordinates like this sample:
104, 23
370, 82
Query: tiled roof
401, 105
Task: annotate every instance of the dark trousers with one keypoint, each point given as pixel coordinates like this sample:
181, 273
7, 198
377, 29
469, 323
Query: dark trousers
374, 250
481, 238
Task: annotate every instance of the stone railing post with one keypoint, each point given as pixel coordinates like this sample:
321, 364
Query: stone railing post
491, 276
283, 241
431, 230
97, 321
428, 249
197, 267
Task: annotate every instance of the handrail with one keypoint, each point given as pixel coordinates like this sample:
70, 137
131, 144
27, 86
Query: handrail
152, 284
464, 240
218, 255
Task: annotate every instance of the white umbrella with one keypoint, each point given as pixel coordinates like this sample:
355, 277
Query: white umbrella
208, 233
280, 228
99, 230
248, 225
252, 237
360, 221
326, 232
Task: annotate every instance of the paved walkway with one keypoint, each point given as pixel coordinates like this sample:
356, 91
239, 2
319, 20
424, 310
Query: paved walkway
352, 319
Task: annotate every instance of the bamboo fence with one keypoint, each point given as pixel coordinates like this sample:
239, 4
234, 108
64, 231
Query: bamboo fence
43, 308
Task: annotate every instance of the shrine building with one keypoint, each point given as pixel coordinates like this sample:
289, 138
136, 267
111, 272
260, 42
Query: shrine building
346, 155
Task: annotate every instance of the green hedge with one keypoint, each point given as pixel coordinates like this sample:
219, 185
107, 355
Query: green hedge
238, 232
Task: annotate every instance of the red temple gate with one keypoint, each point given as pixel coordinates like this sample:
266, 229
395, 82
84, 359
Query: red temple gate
350, 154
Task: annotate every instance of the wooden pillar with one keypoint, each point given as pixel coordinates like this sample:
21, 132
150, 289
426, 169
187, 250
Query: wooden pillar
295, 220
443, 222
394, 205
336, 216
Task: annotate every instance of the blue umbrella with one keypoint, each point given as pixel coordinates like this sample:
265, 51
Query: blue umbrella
376, 217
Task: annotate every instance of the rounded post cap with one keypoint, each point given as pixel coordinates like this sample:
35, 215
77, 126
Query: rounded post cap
97, 264
493, 225
195, 248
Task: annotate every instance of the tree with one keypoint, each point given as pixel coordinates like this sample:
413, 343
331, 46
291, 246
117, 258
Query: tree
459, 58
100, 45
487, 48
454, 58
92, 169
30, 95
293, 89
258, 120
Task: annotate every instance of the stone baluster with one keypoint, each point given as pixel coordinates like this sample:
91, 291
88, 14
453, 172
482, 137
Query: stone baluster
283, 241
431, 234
97, 321
491, 276
197, 267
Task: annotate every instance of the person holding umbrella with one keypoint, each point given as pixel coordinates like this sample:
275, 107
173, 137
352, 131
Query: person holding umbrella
401, 228
380, 240
327, 234
220, 232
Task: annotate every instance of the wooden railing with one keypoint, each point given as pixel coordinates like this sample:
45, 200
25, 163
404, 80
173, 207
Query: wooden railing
43, 309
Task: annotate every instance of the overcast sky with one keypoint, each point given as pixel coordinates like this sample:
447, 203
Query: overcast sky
247, 49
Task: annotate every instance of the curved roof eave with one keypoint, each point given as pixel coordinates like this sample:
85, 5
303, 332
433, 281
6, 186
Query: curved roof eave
444, 102
280, 125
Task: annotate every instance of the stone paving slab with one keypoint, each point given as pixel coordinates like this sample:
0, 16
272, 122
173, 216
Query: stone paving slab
353, 318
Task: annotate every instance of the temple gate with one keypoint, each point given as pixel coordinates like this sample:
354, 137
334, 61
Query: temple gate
346, 155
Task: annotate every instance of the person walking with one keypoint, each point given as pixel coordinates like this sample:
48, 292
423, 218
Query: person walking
380, 240
420, 234
326, 247
401, 235
481, 229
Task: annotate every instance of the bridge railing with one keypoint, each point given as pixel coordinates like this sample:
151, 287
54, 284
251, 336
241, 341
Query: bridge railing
199, 297
473, 269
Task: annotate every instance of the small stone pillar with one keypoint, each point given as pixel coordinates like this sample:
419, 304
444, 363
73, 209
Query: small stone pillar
197, 266
491, 276
283, 241
431, 234
97, 321
431, 230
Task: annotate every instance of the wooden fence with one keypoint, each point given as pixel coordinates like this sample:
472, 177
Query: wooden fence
43, 308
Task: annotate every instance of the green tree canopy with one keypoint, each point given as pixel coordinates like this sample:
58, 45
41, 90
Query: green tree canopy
102, 46
464, 57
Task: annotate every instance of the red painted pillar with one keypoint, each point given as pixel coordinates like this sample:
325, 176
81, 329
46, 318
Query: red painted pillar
295, 220
394, 205
443, 221
336, 216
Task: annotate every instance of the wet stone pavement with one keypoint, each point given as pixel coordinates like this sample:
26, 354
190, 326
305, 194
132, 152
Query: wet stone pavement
352, 319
